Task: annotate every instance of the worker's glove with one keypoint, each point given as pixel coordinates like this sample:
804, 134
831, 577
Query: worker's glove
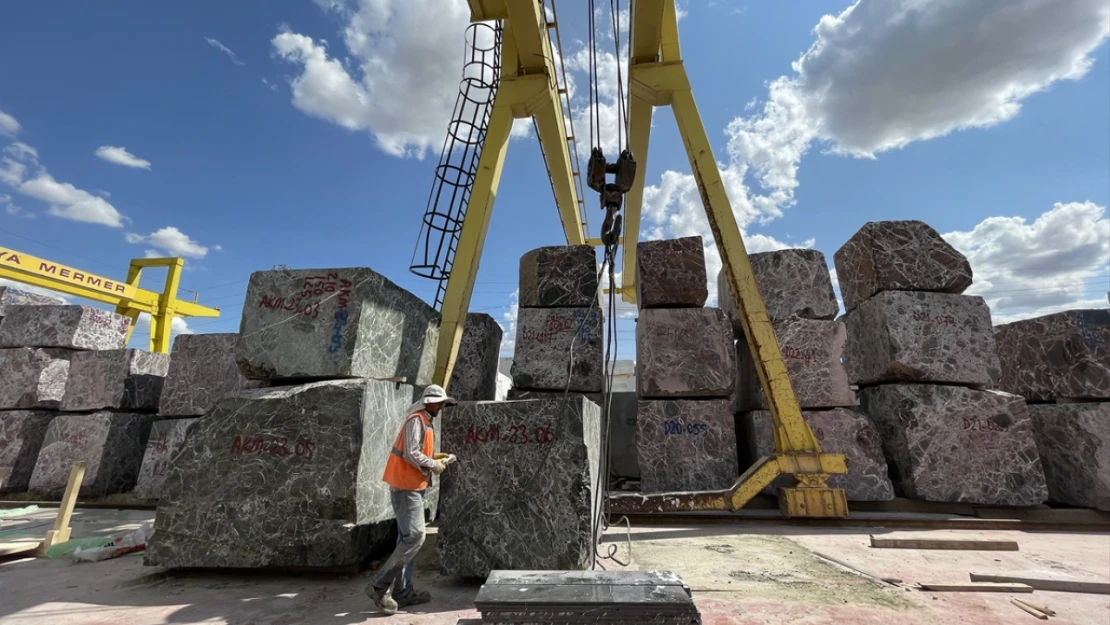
441, 456
439, 468
447, 459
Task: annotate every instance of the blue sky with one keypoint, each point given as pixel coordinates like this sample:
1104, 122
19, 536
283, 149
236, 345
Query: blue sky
305, 133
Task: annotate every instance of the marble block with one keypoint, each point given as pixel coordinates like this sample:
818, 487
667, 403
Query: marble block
521, 495
623, 457
1074, 443
898, 256
110, 443
921, 337
684, 352
329, 323
563, 276
811, 349
120, 379
17, 297
202, 371
167, 437
671, 273
1062, 355
70, 327
284, 477
955, 444
792, 282
840, 431
557, 344
686, 444
21, 436
517, 394
33, 378
475, 374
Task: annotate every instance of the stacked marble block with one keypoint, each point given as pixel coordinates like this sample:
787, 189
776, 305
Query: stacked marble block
559, 326
1060, 365
797, 292
925, 359
202, 371
291, 475
71, 393
685, 373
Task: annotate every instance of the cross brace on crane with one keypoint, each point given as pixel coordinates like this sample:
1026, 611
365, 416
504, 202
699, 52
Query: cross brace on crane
657, 77
126, 295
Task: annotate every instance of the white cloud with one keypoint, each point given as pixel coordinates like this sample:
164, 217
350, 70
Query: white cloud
397, 78
222, 48
1059, 261
120, 156
65, 200
269, 84
8, 125
10, 208
141, 335
508, 324
171, 241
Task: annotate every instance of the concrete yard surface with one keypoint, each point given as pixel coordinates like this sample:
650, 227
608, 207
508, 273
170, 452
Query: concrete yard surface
740, 574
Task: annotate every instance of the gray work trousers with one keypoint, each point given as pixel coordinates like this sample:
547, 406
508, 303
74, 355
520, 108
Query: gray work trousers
408, 507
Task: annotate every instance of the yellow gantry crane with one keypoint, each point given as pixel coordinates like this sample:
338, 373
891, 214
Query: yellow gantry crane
125, 295
657, 77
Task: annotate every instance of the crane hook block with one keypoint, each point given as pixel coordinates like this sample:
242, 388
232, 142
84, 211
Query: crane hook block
626, 171
612, 196
595, 170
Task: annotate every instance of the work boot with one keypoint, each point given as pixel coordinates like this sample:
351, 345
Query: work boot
413, 597
381, 599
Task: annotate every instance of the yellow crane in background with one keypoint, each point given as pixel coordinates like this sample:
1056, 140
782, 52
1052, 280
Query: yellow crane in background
531, 86
125, 295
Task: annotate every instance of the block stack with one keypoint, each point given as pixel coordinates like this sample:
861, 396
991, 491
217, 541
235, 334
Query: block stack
58, 357
685, 373
290, 476
798, 294
559, 325
1060, 364
924, 355
202, 371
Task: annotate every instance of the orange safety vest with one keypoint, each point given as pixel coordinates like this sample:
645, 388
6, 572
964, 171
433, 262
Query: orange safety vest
398, 472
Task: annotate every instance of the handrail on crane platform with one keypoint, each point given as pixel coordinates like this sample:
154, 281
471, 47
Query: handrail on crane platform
126, 296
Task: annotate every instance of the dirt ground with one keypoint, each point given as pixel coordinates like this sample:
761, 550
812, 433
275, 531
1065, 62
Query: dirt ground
740, 574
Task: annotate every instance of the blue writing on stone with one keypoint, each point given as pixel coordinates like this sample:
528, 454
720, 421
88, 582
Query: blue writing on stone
677, 427
337, 336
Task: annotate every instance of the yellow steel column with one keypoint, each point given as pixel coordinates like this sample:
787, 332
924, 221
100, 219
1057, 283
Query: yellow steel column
160, 333
639, 137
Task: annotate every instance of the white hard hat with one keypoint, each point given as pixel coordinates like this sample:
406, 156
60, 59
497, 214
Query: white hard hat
435, 394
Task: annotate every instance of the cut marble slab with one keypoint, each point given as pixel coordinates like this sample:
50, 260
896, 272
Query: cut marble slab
33, 378
65, 326
686, 444
119, 379
839, 431
110, 444
17, 297
554, 345
955, 444
904, 255
284, 477
475, 374
670, 273
167, 437
330, 323
684, 352
624, 459
21, 436
562, 276
921, 337
1062, 355
812, 350
202, 371
521, 494
792, 282
1074, 444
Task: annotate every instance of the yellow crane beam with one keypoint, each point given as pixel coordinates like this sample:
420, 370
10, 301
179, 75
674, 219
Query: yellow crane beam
125, 295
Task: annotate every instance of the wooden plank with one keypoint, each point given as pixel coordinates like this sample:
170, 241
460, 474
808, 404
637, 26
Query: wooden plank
934, 543
1054, 585
858, 571
975, 587
1030, 609
11, 549
61, 530
1040, 608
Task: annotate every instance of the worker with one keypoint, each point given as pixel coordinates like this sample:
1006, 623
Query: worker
408, 471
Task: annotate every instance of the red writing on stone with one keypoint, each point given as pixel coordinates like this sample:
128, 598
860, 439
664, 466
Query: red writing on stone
515, 435
947, 320
158, 444
975, 424
276, 446
319, 285
160, 468
820, 434
805, 355
557, 324
536, 337
294, 304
